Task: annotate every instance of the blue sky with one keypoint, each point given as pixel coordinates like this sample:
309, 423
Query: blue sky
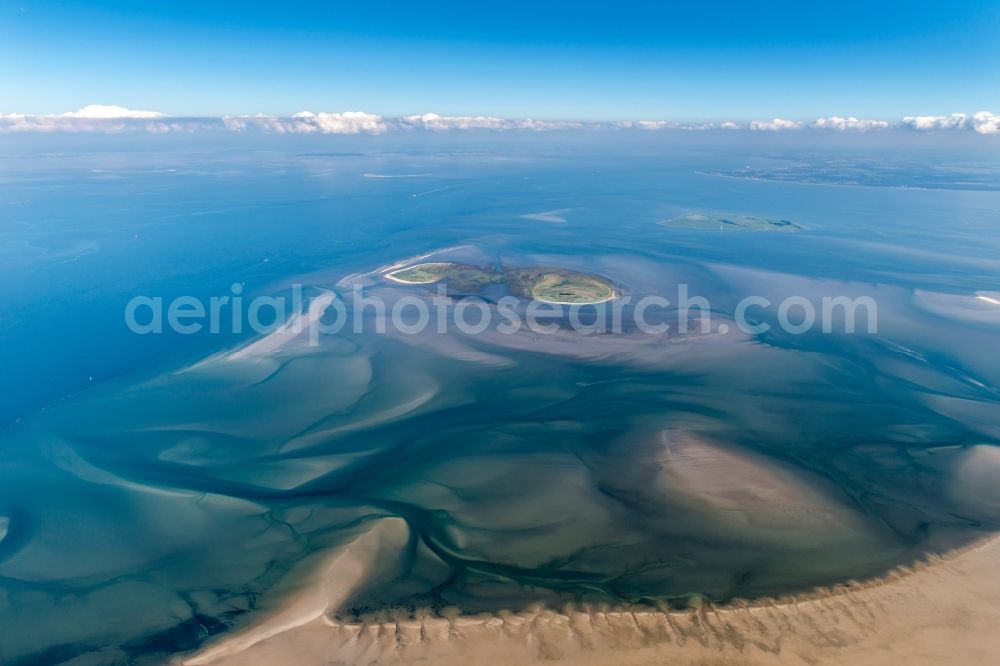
601, 61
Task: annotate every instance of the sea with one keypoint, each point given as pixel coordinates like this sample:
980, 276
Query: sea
160, 488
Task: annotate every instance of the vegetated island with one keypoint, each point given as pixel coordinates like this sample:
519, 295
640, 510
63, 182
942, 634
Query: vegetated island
549, 285
725, 221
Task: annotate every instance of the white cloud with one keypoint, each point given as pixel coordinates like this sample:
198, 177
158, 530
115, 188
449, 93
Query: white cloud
775, 125
110, 119
258, 122
544, 125
697, 126
14, 123
644, 124
100, 118
307, 122
437, 123
954, 121
982, 122
348, 122
670, 125
107, 112
985, 122
852, 123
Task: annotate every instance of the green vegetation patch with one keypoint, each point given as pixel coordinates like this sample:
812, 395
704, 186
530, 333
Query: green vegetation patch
554, 285
458, 276
551, 285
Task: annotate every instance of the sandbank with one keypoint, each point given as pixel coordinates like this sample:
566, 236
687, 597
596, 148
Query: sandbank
943, 610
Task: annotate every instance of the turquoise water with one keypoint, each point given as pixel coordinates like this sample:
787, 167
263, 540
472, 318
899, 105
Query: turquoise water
154, 489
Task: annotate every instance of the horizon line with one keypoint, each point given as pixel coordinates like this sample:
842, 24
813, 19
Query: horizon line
117, 119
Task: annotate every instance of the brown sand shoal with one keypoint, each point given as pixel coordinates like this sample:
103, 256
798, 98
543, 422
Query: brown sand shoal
943, 610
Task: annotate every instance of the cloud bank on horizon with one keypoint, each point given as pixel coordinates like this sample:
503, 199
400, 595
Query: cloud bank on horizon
98, 118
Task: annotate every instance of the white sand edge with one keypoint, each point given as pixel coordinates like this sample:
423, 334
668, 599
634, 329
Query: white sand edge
612, 297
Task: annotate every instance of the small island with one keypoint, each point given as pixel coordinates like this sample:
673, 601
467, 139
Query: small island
555, 285
459, 276
726, 221
549, 285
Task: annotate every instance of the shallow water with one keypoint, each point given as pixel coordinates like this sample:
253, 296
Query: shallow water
179, 486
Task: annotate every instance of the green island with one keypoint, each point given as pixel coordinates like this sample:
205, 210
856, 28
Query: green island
549, 285
725, 221
460, 276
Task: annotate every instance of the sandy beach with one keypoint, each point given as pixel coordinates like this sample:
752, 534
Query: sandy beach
944, 610
391, 275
